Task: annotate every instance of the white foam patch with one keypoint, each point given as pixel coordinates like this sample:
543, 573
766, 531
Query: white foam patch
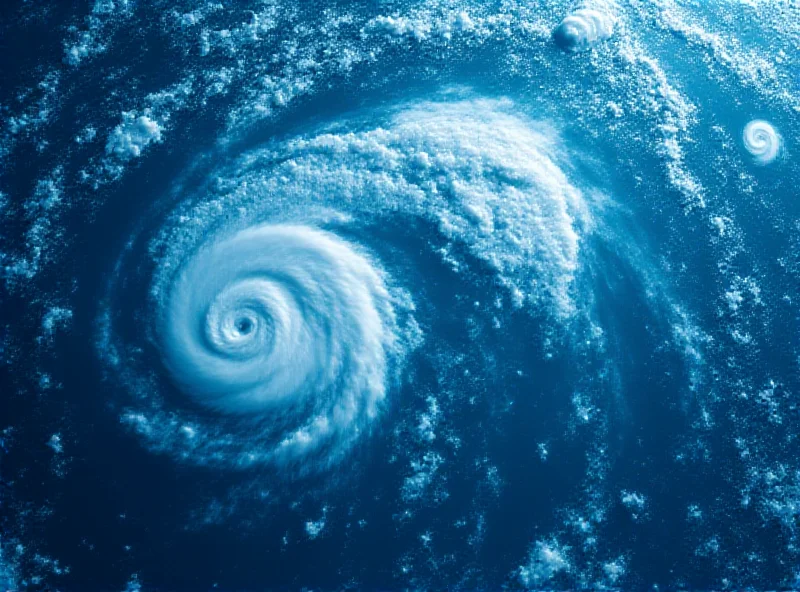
426, 24
768, 66
635, 502
314, 528
547, 559
9, 575
130, 137
673, 114
423, 471
55, 318
94, 39
614, 571
134, 584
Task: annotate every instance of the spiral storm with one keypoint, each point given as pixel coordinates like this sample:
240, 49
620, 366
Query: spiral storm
762, 141
408, 295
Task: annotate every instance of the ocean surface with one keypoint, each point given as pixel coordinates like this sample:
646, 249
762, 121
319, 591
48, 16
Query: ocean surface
399, 295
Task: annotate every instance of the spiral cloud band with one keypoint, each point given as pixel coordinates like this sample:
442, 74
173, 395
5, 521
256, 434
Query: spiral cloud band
762, 141
282, 336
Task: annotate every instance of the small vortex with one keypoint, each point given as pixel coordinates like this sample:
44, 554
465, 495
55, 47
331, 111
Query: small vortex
762, 141
583, 29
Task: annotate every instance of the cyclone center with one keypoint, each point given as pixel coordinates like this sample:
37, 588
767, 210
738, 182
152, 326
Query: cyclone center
244, 326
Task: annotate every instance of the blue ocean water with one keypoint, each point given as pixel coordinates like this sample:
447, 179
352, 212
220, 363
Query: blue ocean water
399, 295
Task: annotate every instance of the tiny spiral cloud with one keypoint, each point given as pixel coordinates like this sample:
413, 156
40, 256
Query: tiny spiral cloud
762, 141
584, 29
281, 318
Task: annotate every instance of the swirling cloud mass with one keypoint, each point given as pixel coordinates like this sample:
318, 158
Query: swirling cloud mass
294, 329
407, 295
762, 141
281, 316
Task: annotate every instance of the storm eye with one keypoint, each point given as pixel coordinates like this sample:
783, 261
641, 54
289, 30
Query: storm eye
244, 326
